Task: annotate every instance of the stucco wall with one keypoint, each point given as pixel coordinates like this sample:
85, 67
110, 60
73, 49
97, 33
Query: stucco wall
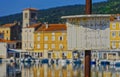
3, 50
88, 33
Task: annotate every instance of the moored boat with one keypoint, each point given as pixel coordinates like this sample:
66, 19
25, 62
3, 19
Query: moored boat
117, 63
104, 62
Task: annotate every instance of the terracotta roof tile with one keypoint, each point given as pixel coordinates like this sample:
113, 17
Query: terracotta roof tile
52, 27
8, 25
34, 25
7, 41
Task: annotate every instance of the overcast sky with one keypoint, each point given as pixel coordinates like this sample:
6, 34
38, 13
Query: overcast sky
8, 7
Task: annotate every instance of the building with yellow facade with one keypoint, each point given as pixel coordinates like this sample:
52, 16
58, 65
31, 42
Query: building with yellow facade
6, 32
11, 31
50, 37
115, 32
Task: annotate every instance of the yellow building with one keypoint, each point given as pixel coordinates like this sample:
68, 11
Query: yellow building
6, 32
115, 32
50, 37
11, 31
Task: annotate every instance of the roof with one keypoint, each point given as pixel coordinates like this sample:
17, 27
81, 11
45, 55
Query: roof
7, 41
12, 51
31, 9
114, 18
8, 25
82, 16
34, 25
52, 27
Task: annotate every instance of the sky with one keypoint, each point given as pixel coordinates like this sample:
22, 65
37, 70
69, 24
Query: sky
8, 7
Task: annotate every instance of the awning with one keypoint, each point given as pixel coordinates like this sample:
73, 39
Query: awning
12, 51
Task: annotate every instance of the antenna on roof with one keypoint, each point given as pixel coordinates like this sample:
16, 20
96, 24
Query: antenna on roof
30, 4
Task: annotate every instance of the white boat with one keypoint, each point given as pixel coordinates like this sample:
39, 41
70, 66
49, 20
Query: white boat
50, 61
112, 62
22, 59
63, 62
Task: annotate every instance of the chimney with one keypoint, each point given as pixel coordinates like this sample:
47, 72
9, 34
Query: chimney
46, 25
88, 7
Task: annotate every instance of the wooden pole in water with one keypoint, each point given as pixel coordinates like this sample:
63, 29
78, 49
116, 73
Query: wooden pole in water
88, 52
88, 7
87, 63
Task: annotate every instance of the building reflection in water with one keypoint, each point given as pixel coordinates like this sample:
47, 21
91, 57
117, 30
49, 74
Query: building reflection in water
55, 70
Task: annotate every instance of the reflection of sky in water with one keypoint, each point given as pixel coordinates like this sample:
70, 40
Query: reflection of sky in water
69, 70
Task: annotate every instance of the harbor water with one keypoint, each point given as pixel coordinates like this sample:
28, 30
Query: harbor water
55, 70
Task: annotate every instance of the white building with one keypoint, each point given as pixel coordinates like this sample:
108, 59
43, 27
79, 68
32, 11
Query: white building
28, 36
3, 50
4, 45
88, 32
3, 70
29, 17
29, 25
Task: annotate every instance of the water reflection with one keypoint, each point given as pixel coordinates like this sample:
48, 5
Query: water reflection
55, 70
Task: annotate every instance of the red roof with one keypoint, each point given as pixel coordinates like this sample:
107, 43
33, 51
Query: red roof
7, 41
31, 9
53, 27
8, 25
34, 25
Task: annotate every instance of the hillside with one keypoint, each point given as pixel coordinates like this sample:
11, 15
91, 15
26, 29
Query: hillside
53, 15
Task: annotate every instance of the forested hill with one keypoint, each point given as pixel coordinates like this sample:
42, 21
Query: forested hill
53, 15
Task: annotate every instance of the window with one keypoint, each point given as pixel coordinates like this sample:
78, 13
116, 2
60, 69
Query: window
113, 44
25, 45
38, 38
26, 24
30, 45
119, 25
38, 46
113, 34
119, 44
7, 38
26, 15
33, 15
61, 46
61, 38
53, 38
7, 31
45, 46
13, 46
53, 33
38, 34
114, 25
119, 33
46, 38
63, 33
8, 46
53, 46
